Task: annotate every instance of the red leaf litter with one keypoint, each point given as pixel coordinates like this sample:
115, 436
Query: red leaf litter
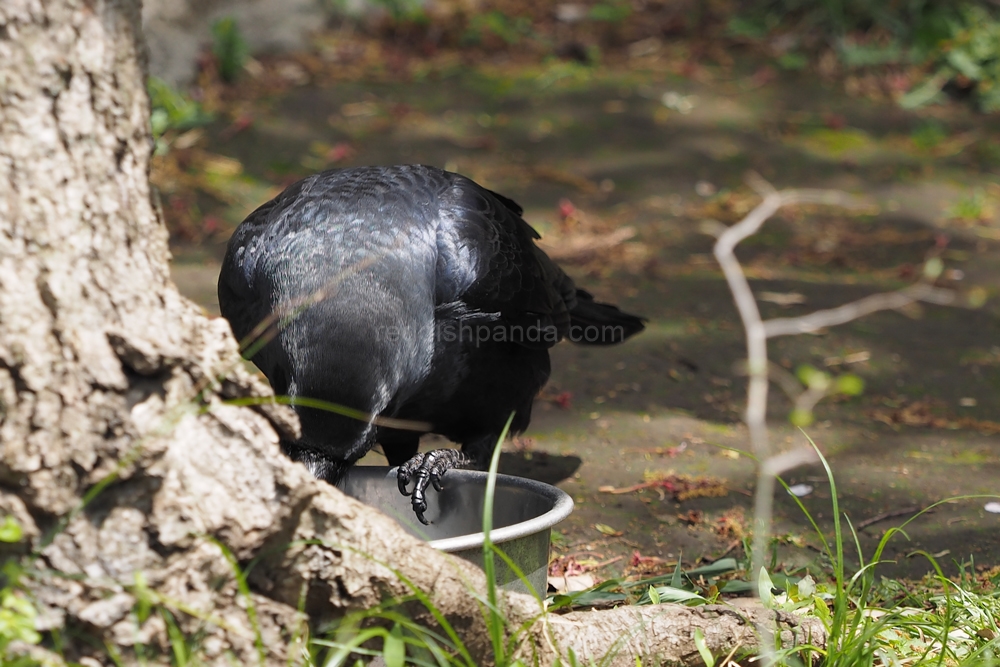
566, 208
565, 566
678, 487
563, 399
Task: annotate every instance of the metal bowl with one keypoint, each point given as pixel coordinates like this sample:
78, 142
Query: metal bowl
524, 512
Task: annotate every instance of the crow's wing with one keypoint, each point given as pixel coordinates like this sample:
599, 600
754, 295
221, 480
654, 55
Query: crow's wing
488, 263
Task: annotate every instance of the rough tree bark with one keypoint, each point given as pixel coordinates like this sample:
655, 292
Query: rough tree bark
106, 370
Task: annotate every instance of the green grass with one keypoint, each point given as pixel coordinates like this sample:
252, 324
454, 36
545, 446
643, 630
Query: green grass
870, 620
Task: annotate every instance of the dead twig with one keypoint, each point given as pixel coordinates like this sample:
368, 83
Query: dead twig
615, 491
729, 550
892, 514
611, 561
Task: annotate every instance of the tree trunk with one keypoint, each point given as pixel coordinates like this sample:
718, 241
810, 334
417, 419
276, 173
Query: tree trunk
109, 376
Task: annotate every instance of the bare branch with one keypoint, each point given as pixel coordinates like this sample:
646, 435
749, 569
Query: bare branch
759, 184
758, 332
775, 373
793, 458
784, 326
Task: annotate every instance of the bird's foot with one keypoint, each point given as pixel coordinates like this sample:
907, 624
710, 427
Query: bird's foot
425, 470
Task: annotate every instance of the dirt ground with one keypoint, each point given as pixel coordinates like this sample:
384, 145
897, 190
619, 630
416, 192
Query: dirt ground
587, 151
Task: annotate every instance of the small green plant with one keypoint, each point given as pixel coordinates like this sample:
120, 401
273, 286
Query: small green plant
17, 623
171, 110
10, 530
229, 48
869, 623
974, 53
855, 55
17, 613
703, 651
677, 587
818, 385
971, 208
929, 135
959, 41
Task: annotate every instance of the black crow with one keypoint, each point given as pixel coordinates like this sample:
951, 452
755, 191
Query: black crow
406, 293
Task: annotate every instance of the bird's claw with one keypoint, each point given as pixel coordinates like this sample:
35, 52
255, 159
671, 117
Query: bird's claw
402, 480
425, 470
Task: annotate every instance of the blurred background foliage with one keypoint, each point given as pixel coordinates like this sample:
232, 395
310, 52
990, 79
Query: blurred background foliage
918, 52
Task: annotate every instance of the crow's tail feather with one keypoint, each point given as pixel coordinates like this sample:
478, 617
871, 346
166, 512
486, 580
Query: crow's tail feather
594, 323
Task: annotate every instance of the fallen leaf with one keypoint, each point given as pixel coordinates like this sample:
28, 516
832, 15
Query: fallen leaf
669, 452
572, 583
732, 524
607, 530
691, 518
638, 560
221, 165
562, 566
354, 109
563, 177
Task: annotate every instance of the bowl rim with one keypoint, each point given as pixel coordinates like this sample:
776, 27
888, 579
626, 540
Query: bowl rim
562, 505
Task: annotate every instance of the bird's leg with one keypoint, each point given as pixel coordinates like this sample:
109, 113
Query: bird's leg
400, 451
479, 451
427, 469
